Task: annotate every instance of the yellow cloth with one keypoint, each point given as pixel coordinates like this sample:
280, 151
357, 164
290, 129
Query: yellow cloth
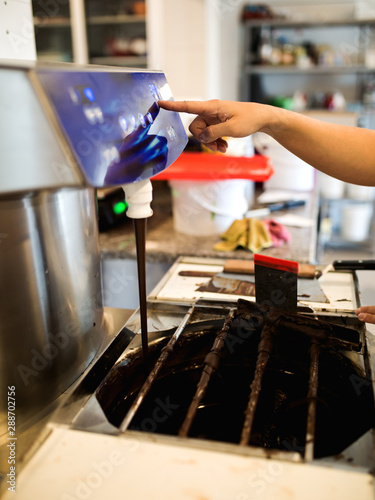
246, 233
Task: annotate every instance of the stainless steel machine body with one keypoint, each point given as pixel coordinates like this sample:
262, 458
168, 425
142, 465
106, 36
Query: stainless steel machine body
64, 131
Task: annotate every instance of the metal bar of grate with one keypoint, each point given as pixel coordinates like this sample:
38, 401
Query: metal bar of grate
155, 371
264, 351
312, 399
210, 366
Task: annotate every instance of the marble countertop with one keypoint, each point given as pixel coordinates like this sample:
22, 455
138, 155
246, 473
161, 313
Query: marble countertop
164, 244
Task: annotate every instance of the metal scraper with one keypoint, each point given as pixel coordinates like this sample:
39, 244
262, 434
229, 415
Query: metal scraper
276, 282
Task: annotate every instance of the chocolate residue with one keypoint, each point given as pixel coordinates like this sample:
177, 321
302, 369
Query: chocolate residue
281, 410
228, 286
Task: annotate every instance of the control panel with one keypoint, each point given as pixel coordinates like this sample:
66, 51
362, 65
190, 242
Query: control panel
113, 123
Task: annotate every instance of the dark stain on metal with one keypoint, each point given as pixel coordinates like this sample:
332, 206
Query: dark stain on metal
228, 286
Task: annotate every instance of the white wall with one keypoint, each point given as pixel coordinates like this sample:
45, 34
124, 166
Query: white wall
195, 42
17, 40
223, 48
176, 44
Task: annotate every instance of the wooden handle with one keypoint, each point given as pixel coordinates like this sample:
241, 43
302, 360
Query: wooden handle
235, 266
239, 266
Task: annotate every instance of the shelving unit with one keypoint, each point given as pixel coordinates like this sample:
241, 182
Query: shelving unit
87, 31
116, 39
348, 70
260, 82
57, 22
53, 33
320, 70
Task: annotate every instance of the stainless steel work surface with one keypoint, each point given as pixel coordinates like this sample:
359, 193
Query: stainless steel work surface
72, 463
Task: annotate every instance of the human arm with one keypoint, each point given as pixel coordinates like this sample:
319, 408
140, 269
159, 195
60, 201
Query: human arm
347, 153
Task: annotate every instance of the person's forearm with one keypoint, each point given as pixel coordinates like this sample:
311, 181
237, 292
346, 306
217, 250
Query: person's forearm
347, 153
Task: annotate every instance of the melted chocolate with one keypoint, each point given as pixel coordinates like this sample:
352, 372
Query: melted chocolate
140, 239
344, 401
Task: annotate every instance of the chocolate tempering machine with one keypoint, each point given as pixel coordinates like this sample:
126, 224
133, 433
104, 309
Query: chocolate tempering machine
242, 401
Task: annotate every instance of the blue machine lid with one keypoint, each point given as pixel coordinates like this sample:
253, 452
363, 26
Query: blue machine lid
112, 122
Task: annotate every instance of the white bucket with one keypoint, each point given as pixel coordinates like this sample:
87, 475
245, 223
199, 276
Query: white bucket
364, 193
356, 221
330, 188
290, 171
209, 208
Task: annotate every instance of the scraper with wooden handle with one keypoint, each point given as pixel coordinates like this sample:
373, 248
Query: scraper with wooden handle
236, 266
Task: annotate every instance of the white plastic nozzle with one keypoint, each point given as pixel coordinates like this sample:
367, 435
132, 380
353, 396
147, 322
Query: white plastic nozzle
139, 197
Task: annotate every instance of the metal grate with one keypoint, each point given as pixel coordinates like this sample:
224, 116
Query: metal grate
318, 333
275, 329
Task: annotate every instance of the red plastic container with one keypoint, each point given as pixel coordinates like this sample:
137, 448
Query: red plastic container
214, 167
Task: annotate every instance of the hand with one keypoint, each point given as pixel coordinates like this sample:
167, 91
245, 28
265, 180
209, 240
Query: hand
217, 119
346, 153
366, 314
